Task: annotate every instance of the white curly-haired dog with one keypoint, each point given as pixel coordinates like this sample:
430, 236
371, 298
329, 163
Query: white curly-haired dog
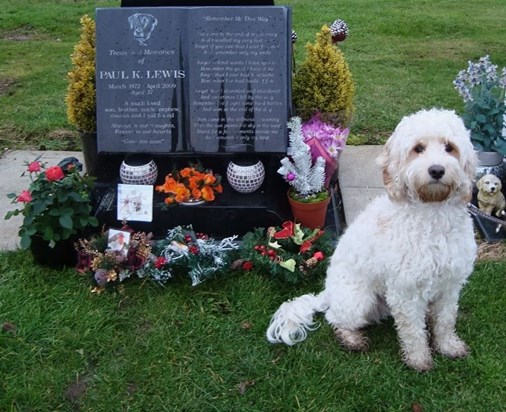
408, 254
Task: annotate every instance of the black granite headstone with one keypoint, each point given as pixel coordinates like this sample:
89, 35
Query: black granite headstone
193, 79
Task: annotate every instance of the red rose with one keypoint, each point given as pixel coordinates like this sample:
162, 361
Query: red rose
54, 173
160, 261
247, 265
25, 197
34, 167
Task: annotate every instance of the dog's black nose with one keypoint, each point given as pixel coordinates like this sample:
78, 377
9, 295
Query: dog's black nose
436, 171
492, 189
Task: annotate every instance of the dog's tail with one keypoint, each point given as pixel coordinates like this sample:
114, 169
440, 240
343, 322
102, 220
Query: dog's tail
294, 319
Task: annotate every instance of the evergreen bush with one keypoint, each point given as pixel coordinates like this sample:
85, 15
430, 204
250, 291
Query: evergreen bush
323, 82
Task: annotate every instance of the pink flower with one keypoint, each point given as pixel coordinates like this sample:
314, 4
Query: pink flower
34, 167
54, 173
25, 197
290, 176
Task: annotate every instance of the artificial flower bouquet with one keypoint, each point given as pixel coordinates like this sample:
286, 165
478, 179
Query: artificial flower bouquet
191, 184
312, 159
117, 255
290, 252
482, 88
57, 203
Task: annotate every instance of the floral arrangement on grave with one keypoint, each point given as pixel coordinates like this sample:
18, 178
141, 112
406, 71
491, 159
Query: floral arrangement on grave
482, 87
191, 184
57, 203
80, 98
183, 251
313, 155
290, 252
323, 81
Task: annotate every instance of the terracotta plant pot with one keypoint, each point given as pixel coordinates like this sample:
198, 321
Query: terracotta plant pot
311, 215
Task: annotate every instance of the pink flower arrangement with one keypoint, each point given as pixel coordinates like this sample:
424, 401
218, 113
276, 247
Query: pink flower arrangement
324, 140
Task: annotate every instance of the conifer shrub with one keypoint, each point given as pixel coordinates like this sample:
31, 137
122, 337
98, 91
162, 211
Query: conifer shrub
323, 82
80, 98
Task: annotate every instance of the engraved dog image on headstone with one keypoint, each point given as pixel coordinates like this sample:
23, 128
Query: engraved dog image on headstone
142, 25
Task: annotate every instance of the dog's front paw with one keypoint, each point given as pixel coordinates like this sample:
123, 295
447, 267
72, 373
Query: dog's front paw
453, 348
421, 363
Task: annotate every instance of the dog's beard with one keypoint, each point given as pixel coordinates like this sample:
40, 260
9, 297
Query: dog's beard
434, 192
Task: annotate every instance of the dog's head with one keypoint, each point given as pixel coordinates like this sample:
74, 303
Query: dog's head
490, 184
142, 25
429, 158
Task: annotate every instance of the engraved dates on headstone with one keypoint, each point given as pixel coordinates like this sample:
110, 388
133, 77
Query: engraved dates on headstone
193, 79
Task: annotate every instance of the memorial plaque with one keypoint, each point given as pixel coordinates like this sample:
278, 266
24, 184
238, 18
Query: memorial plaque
193, 79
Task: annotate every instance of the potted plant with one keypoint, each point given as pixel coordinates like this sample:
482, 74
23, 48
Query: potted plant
482, 88
81, 93
56, 206
323, 82
313, 153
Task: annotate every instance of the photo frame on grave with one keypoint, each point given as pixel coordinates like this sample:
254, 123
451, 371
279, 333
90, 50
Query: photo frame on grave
165, 91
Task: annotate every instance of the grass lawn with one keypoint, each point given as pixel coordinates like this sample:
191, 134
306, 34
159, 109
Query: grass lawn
149, 348
204, 349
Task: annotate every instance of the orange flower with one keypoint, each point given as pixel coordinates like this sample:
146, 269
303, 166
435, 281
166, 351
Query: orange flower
207, 194
190, 183
182, 193
196, 193
209, 179
186, 172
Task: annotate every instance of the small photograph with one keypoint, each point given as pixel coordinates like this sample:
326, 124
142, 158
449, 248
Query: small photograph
118, 240
135, 203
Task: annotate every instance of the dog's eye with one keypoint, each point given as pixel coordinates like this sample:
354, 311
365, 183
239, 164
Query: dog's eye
449, 148
419, 149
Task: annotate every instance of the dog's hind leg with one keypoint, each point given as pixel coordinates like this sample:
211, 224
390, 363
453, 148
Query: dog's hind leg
443, 313
350, 312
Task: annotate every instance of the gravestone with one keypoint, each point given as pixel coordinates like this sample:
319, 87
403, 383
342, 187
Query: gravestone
197, 83
193, 79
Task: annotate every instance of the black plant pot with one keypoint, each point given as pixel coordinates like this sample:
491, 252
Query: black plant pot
63, 254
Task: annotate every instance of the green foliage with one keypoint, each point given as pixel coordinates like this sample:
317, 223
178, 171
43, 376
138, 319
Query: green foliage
57, 204
323, 82
483, 86
81, 99
292, 253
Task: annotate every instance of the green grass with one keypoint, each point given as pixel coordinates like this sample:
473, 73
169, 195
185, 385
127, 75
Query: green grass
203, 348
403, 54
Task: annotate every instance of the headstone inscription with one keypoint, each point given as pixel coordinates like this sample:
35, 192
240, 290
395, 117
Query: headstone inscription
193, 79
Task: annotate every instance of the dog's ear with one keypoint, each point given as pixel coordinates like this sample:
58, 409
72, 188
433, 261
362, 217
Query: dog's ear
479, 184
131, 20
390, 178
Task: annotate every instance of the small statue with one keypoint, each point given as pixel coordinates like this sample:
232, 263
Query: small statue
490, 197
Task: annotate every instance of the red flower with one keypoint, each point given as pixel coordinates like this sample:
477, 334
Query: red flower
25, 197
160, 261
318, 256
54, 173
247, 265
34, 167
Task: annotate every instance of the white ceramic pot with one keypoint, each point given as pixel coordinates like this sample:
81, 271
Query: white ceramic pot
245, 178
138, 170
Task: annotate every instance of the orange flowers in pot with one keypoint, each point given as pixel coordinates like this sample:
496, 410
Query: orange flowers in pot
191, 184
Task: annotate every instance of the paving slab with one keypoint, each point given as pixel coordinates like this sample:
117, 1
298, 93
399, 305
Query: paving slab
360, 178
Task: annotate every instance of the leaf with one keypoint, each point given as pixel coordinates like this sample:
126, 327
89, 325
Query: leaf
66, 221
